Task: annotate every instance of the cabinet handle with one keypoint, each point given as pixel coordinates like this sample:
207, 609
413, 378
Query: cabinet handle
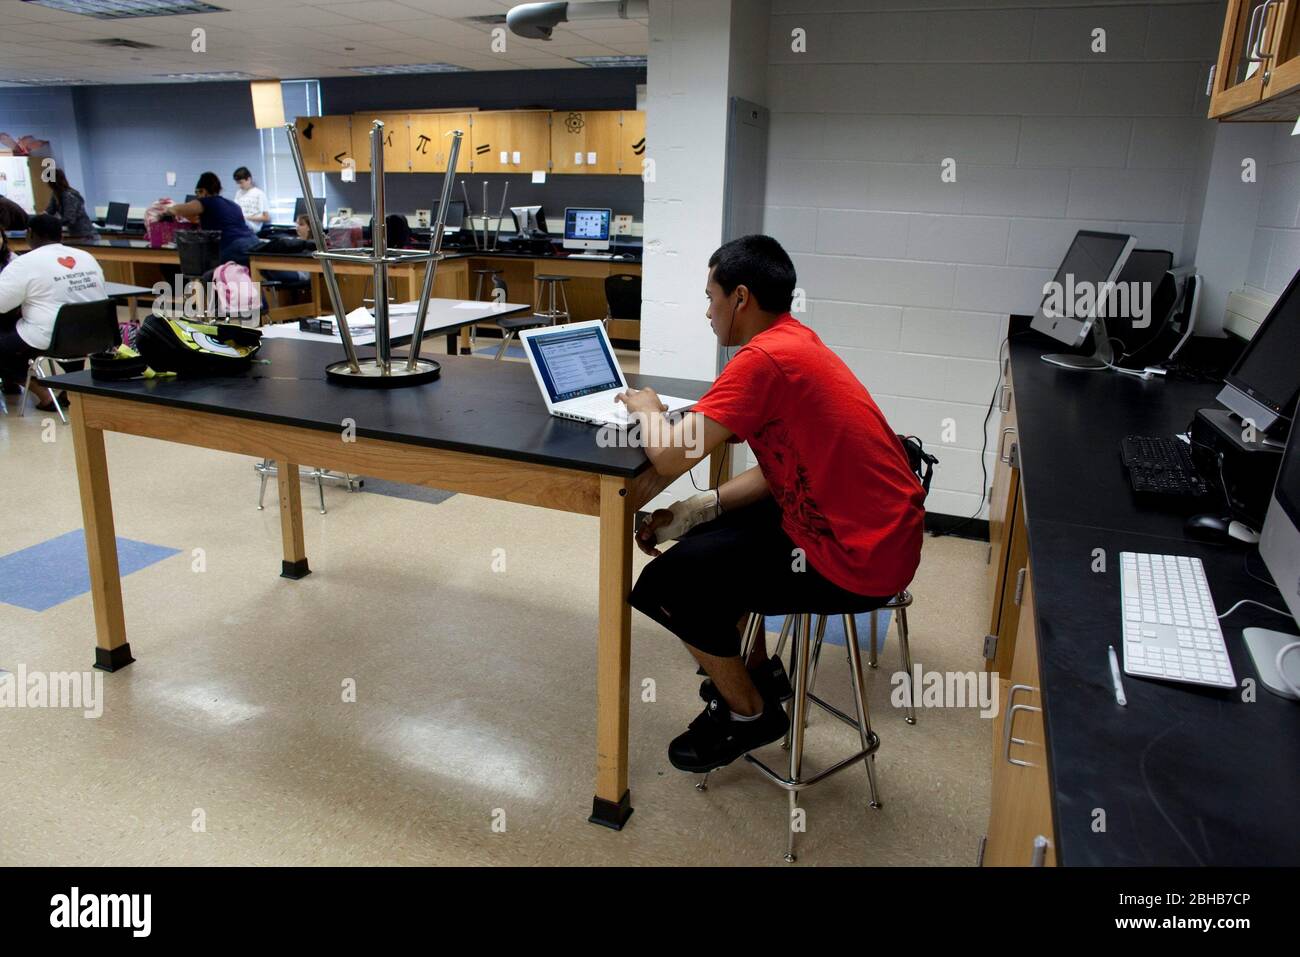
1039, 857
1008, 740
1004, 405
1251, 49
1261, 43
1020, 584
1006, 459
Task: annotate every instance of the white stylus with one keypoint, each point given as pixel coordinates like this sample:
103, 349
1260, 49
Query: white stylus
1114, 676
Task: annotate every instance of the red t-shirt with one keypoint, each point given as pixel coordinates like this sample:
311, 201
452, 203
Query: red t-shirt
848, 497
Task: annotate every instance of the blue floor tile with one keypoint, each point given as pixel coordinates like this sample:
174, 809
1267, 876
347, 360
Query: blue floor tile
50, 573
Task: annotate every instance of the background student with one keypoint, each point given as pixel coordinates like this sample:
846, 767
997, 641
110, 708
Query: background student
214, 211
32, 289
70, 206
252, 200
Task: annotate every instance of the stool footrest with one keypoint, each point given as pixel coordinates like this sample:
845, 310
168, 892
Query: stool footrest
789, 785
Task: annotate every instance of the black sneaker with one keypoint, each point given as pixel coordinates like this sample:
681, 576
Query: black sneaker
769, 678
713, 740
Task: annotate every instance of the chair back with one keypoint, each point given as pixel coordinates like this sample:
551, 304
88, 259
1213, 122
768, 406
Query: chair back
199, 250
83, 328
623, 296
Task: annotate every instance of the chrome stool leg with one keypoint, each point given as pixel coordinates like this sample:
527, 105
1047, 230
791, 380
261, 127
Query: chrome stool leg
785, 633
872, 662
817, 651
801, 656
320, 487
264, 469
869, 737
906, 648
794, 622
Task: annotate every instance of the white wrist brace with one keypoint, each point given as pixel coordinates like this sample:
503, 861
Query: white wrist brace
696, 510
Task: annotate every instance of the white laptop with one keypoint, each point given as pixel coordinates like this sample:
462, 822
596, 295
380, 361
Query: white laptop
578, 375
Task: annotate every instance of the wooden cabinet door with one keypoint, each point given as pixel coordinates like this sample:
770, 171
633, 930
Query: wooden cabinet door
1238, 72
1282, 76
335, 136
580, 136
511, 141
1011, 600
632, 145
1021, 831
431, 142
310, 137
397, 141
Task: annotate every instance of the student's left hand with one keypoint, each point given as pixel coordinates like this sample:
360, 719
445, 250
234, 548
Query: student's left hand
641, 400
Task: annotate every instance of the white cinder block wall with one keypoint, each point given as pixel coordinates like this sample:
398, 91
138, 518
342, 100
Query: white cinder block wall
1275, 252
911, 279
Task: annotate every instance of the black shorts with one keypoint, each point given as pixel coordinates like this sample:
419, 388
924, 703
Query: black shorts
740, 562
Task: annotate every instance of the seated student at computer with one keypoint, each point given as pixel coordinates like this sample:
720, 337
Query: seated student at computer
213, 211
32, 288
832, 513
252, 200
70, 206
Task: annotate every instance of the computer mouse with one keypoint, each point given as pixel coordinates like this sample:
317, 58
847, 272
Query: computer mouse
1207, 528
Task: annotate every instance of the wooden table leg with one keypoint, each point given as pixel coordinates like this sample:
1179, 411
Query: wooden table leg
295, 551
111, 649
612, 805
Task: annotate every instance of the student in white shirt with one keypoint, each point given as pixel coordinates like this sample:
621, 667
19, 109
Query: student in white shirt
32, 288
252, 200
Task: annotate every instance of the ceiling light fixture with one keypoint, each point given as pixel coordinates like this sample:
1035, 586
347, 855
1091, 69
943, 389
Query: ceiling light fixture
124, 9
403, 68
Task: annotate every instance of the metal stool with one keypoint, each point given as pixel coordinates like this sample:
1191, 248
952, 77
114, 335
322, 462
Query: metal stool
898, 603
266, 468
546, 286
801, 658
509, 327
478, 293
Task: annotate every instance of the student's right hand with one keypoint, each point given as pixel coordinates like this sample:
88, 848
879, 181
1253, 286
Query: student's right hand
645, 535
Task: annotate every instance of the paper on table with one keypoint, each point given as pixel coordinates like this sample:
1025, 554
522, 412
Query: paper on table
360, 318
468, 304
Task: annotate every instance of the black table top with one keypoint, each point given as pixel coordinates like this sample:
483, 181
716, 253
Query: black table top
477, 405
1186, 776
632, 259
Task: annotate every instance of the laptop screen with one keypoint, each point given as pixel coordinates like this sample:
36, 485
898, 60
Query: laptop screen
574, 363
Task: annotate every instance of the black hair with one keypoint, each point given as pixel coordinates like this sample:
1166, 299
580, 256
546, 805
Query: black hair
760, 265
46, 228
242, 173
210, 182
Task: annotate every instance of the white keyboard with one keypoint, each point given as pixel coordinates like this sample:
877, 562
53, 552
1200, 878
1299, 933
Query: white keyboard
1171, 630
591, 255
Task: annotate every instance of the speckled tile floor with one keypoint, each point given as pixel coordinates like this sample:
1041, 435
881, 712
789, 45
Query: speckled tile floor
471, 739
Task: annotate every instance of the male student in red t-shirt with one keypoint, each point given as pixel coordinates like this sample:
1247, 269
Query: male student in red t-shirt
830, 518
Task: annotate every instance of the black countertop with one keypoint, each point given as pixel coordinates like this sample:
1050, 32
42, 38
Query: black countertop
1185, 776
477, 405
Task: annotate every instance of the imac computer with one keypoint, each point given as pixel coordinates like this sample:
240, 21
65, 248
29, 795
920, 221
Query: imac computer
586, 228
530, 221
1262, 384
300, 208
1076, 301
1277, 654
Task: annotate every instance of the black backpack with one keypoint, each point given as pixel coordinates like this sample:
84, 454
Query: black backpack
197, 348
920, 461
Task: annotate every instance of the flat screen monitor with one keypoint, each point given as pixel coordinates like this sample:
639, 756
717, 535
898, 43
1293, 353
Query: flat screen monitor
586, 228
116, 216
529, 220
1263, 383
1279, 545
455, 214
1093, 258
300, 208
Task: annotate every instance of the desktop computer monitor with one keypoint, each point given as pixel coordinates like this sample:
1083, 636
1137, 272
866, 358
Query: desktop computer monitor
1263, 383
116, 216
1074, 304
1279, 545
586, 228
300, 207
529, 220
455, 214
